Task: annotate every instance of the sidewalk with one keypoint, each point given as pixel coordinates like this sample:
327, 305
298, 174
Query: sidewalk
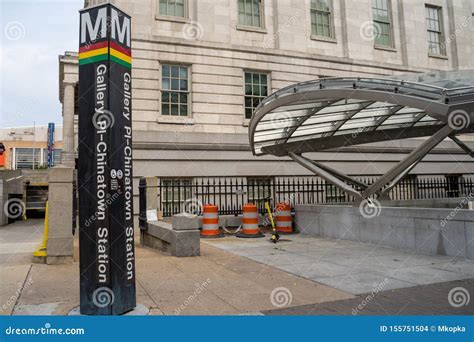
217, 283
298, 276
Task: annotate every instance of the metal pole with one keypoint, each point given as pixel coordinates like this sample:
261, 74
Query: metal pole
324, 174
413, 157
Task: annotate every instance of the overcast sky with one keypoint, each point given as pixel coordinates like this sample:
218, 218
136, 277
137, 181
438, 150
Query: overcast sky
33, 34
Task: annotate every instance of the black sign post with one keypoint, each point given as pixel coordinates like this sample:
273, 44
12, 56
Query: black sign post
107, 255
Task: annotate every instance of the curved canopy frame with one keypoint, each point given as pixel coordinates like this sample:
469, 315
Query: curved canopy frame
336, 112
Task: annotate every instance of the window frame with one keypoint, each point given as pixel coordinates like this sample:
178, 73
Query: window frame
245, 27
390, 47
36, 156
442, 33
167, 17
175, 118
332, 32
260, 72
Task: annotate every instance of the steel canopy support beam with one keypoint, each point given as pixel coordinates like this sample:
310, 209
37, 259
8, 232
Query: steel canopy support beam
307, 163
398, 179
462, 145
412, 158
339, 175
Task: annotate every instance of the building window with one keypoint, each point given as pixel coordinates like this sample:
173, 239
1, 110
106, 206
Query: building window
256, 89
321, 18
250, 13
382, 22
173, 8
434, 22
175, 90
27, 158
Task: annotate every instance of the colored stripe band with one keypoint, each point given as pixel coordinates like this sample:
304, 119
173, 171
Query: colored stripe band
101, 51
94, 59
120, 55
87, 48
121, 49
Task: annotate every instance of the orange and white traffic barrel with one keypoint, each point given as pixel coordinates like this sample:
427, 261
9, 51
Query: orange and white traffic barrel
250, 227
284, 220
210, 222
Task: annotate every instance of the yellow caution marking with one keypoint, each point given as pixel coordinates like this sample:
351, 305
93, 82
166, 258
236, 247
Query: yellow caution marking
41, 251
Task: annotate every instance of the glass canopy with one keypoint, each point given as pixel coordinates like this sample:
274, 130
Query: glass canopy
336, 112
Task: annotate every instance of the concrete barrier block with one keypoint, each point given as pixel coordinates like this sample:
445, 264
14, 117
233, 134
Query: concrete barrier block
161, 235
416, 229
185, 243
61, 174
161, 230
396, 232
469, 230
307, 222
185, 222
432, 238
343, 225
60, 246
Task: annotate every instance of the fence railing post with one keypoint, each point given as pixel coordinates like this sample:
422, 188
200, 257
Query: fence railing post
142, 221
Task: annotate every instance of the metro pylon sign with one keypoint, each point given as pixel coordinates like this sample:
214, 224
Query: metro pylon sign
107, 255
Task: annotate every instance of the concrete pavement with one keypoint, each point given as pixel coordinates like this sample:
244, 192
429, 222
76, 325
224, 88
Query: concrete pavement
299, 275
349, 266
217, 283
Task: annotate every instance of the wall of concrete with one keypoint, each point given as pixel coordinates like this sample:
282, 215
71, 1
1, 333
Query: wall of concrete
429, 231
446, 203
10, 183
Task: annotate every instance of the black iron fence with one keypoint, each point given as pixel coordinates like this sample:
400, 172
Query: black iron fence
231, 193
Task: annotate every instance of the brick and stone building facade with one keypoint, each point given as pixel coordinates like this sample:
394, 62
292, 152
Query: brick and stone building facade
199, 67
